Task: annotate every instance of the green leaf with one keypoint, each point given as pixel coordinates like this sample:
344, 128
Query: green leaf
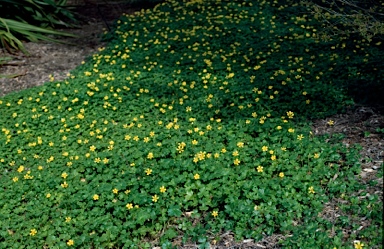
174, 211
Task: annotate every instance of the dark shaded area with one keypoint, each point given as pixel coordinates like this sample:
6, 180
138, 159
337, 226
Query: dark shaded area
108, 11
368, 94
361, 17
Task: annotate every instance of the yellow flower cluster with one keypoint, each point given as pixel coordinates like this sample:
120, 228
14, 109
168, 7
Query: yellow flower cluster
84, 139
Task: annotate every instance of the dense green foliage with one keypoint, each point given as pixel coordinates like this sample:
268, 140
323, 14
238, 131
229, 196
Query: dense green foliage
189, 121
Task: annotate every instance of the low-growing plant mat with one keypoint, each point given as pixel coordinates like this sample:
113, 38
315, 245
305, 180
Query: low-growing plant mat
186, 124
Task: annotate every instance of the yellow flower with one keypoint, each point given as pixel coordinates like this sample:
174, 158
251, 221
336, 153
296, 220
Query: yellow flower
155, 198
64, 185
64, 175
311, 190
291, 130
68, 219
290, 114
300, 137
231, 75
115, 191
195, 142
70, 242
331, 122
163, 189
316, 155
358, 245
33, 232
95, 197
236, 161
129, 206
92, 148
281, 174
240, 144
273, 157
235, 153
48, 195
196, 176
259, 169
150, 155
148, 171
264, 148
15, 179
215, 213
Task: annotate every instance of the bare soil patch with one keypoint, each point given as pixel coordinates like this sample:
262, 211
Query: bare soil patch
359, 125
58, 59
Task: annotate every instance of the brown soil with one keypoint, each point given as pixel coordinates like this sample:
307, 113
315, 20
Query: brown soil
58, 59
359, 125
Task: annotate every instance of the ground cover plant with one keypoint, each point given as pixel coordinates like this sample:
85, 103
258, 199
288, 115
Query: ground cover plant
188, 123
